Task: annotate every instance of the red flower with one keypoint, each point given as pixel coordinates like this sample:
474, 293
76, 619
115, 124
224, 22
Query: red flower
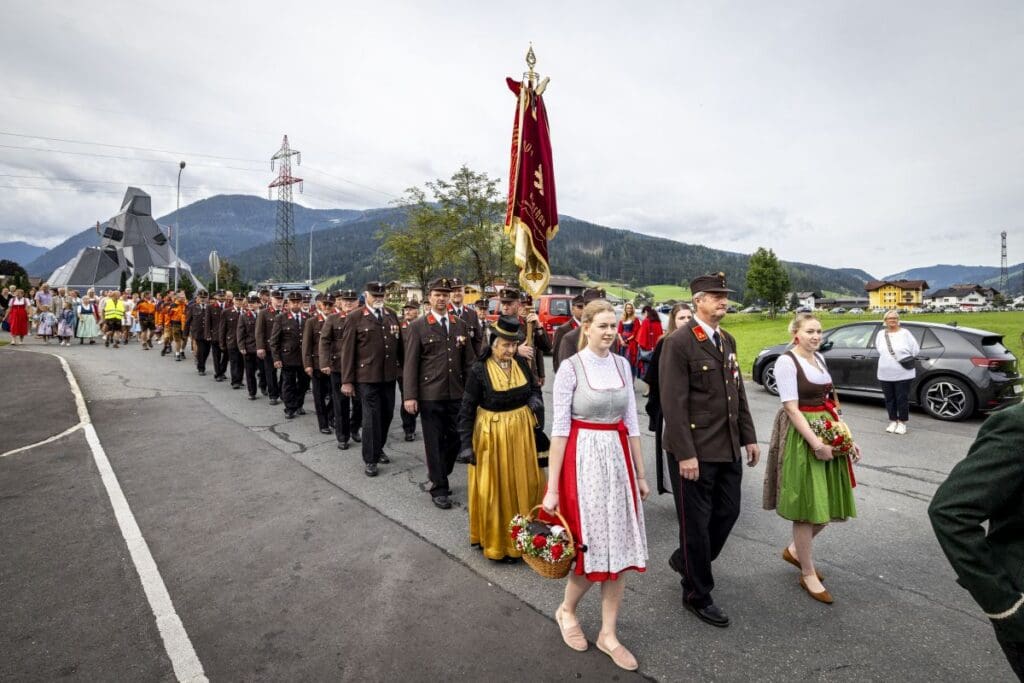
828, 424
515, 532
539, 541
838, 440
556, 551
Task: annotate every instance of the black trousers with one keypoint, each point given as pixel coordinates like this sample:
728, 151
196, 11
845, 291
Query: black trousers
1014, 651
321, 384
706, 510
377, 401
294, 385
348, 412
237, 365
272, 376
220, 361
202, 353
261, 372
897, 399
441, 442
408, 419
252, 365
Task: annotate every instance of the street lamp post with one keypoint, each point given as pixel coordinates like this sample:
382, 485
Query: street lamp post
177, 207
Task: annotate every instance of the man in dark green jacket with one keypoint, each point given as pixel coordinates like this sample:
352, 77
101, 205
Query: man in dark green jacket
989, 485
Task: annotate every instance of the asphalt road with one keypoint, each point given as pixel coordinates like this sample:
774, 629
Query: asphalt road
285, 562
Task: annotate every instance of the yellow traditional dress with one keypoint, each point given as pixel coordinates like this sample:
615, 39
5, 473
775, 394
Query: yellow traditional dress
497, 421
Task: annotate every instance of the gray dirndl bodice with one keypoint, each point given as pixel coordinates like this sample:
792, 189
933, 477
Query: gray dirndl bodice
599, 405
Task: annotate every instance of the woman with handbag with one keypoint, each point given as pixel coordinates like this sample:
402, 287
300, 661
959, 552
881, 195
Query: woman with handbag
807, 481
501, 406
597, 478
897, 353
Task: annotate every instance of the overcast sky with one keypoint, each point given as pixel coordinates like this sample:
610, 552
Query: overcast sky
876, 135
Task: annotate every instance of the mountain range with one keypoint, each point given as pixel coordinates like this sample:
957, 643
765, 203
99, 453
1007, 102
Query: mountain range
20, 252
241, 229
944, 275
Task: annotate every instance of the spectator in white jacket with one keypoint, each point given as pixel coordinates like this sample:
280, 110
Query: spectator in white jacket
895, 343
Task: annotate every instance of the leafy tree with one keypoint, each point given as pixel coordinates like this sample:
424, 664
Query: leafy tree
474, 211
420, 246
768, 279
16, 275
229, 278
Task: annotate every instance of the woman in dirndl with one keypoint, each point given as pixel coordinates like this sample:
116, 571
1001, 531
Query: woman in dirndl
17, 317
597, 478
501, 406
805, 481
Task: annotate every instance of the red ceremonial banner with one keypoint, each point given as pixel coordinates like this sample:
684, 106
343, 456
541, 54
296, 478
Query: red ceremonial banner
531, 218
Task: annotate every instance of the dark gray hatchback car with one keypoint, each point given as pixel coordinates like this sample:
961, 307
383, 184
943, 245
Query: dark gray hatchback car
960, 370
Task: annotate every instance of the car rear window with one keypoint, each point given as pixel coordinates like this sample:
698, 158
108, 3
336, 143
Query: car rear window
993, 347
560, 307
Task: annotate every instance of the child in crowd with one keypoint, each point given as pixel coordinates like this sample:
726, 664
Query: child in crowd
66, 324
47, 323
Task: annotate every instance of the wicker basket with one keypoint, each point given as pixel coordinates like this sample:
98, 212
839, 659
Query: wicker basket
552, 570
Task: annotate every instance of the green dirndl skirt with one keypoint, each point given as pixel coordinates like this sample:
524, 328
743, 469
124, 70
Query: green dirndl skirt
812, 490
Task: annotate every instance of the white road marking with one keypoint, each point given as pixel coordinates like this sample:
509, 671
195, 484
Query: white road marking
53, 438
187, 667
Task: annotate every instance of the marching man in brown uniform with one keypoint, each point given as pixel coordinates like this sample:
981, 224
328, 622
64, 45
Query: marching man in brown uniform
707, 425
228, 337
371, 361
467, 313
437, 359
410, 312
311, 362
348, 415
286, 344
264, 328
565, 328
197, 326
245, 338
216, 348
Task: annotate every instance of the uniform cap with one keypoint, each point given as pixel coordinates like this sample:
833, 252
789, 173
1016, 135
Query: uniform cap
294, 296
346, 295
376, 288
714, 282
412, 303
202, 294
276, 294
578, 300
593, 294
441, 284
253, 298
456, 282
510, 294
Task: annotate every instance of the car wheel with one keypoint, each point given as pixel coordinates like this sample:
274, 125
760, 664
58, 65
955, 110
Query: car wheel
947, 398
768, 379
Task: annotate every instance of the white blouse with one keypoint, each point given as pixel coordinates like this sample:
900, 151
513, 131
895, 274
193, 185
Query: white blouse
785, 376
602, 373
903, 344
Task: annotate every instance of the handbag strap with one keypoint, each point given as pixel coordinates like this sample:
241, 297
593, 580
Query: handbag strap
888, 342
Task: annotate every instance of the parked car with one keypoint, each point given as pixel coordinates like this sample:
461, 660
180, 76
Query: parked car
856, 311
751, 309
960, 370
838, 310
553, 310
803, 309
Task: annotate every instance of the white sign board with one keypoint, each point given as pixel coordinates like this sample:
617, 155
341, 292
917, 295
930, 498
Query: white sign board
214, 262
159, 276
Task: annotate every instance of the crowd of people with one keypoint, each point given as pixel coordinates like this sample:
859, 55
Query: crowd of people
476, 386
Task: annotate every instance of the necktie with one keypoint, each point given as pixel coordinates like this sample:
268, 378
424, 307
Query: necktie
380, 317
444, 325
718, 342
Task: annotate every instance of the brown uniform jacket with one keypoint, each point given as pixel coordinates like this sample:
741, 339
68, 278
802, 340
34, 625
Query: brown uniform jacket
311, 341
332, 335
213, 315
197, 321
371, 351
435, 366
245, 333
265, 327
286, 338
559, 354
476, 330
703, 400
228, 328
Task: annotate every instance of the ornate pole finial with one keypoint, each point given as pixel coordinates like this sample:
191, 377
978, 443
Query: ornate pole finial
531, 61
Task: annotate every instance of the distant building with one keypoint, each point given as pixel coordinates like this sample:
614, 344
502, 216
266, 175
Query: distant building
845, 302
807, 299
565, 284
963, 296
896, 293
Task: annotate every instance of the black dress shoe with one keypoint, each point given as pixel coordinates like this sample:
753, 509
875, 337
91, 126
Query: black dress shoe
252, 397
343, 445
263, 391
710, 614
370, 469
236, 386
673, 562
202, 373
289, 414
383, 458
219, 379
274, 401
464, 459
301, 411
410, 436
443, 502
325, 430
357, 438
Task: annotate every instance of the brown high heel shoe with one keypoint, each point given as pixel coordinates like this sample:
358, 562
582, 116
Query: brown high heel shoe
788, 557
822, 596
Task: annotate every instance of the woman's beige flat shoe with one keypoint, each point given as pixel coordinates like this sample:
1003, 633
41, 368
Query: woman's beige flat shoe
622, 657
573, 635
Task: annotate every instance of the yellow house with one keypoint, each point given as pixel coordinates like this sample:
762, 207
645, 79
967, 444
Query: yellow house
895, 293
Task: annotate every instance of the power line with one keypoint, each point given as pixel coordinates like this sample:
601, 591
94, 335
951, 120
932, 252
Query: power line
351, 182
119, 182
115, 156
141, 149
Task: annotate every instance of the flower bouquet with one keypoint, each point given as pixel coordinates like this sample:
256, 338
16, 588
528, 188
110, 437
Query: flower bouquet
833, 433
548, 549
